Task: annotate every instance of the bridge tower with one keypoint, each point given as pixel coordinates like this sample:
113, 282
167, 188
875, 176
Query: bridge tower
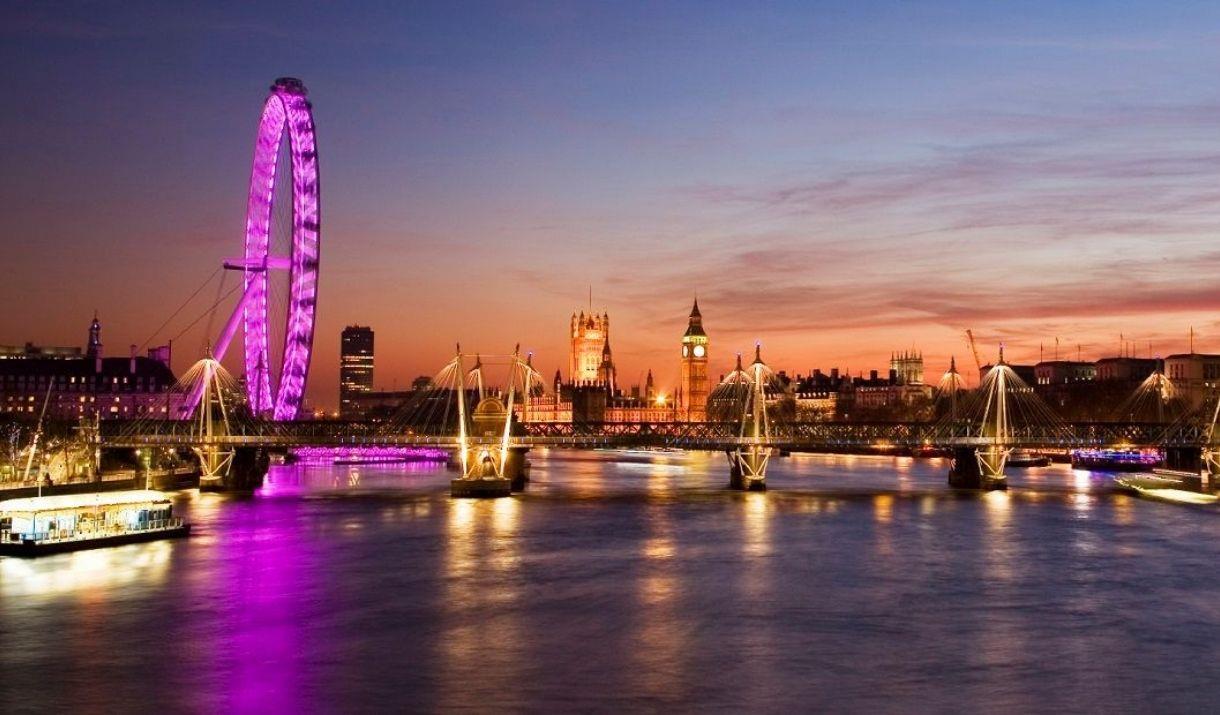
979, 459
211, 423
223, 465
491, 466
1209, 455
748, 462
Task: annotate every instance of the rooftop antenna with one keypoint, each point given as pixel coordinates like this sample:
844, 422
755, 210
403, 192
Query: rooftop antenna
1192, 340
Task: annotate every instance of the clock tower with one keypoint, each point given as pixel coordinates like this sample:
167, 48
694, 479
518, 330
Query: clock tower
694, 368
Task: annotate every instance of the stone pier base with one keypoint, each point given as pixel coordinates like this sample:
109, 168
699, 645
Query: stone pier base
965, 472
738, 480
481, 488
245, 473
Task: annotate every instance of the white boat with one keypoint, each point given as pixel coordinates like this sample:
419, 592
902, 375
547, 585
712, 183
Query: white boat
69, 522
1163, 489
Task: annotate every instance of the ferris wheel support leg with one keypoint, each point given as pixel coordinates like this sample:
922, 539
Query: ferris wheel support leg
231, 325
218, 352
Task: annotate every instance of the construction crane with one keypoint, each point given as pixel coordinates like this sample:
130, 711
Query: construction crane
978, 364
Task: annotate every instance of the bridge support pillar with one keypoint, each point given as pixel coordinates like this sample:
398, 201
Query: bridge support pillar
483, 477
978, 468
241, 469
748, 468
517, 468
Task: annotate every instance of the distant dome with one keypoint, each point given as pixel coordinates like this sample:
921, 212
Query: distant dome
490, 406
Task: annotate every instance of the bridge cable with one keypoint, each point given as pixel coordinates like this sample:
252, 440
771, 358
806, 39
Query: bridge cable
182, 307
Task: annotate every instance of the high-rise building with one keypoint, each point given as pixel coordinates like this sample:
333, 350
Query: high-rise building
694, 368
355, 368
590, 348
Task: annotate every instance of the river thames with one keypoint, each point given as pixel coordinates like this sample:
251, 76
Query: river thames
633, 581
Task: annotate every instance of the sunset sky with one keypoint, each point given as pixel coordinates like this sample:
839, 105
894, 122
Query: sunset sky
837, 180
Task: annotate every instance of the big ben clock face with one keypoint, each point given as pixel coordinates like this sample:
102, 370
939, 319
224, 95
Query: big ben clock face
685, 351
700, 351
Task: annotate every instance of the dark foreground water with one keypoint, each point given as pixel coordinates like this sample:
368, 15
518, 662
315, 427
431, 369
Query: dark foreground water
633, 582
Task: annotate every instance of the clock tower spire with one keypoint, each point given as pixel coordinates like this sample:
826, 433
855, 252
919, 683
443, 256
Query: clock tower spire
694, 368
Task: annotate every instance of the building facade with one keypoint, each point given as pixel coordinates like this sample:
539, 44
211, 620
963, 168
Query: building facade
1194, 375
355, 369
694, 385
1126, 369
79, 386
1064, 372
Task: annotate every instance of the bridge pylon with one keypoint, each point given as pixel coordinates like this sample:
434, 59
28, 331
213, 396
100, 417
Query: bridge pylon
492, 466
979, 459
222, 465
748, 462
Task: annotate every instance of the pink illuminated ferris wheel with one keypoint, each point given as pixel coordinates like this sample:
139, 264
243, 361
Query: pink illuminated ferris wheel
280, 261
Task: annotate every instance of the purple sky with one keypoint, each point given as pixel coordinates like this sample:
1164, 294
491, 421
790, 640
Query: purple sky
838, 180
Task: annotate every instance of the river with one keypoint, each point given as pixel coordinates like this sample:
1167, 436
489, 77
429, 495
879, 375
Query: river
633, 581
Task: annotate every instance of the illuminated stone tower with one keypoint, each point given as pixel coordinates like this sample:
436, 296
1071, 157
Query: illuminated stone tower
590, 338
694, 368
907, 367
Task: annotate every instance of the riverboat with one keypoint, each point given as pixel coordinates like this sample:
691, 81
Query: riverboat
70, 522
1024, 458
1116, 460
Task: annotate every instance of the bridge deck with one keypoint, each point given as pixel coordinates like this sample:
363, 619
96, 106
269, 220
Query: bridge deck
690, 435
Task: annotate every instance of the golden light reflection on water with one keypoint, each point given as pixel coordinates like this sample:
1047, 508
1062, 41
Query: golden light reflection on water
659, 547
659, 642
883, 516
757, 536
998, 549
481, 610
883, 508
998, 509
86, 573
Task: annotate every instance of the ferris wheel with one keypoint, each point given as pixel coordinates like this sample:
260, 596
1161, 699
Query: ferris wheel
279, 265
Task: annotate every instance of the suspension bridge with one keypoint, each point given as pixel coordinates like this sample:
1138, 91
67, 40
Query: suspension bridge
232, 425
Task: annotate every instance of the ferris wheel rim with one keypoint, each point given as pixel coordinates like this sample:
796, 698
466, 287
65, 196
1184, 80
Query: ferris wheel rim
287, 110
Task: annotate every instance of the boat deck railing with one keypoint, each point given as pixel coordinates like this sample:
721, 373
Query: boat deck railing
58, 536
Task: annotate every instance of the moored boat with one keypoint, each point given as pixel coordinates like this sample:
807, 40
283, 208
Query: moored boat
1116, 460
1025, 458
69, 522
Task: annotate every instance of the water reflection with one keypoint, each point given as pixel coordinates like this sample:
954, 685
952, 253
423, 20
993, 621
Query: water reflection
659, 641
90, 576
482, 645
619, 585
